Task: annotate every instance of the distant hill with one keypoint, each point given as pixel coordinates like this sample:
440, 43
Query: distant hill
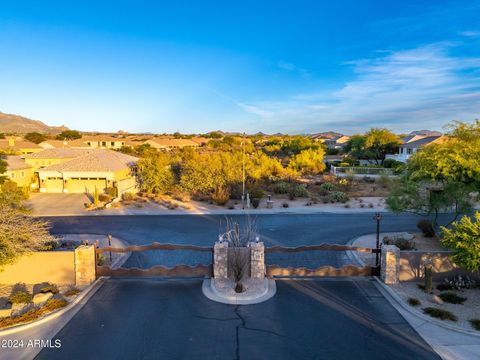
325, 135
10, 123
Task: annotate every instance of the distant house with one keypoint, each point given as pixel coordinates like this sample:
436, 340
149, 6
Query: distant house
14, 145
87, 141
169, 143
75, 170
414, 142
18, 171
337, 142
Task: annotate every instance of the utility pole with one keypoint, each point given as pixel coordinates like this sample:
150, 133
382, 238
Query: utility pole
243, 171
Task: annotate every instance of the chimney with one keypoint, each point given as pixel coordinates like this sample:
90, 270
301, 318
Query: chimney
11, 142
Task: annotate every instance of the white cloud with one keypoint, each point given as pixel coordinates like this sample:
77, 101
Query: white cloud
420, 87
470, 33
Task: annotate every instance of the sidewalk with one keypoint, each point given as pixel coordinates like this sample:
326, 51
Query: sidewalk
450, 342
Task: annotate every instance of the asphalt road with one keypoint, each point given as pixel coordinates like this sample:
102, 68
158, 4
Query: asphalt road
142, 318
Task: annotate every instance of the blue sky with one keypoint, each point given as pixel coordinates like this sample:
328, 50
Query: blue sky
288, 66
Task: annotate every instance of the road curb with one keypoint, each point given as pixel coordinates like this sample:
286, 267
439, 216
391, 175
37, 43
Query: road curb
76, 304
395, 299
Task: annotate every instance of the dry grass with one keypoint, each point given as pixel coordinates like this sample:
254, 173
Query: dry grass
33, 314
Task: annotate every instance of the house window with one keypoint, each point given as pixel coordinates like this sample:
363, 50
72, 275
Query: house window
12, 175
23, 174
409, 151
112, 143
104, 143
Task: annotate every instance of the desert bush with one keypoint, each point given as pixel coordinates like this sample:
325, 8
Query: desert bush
71, 291
19, 297
297, 190
281, 188
440, 314
401, 243
256, 193
338, 196
444, 287
458, 282
255, 202
475, 324
103, 197
285, 205
220, 195
327, 186
452, 298
101, 260
112, 192
54, 304
128, 196
426, 227
49, 288
413, 301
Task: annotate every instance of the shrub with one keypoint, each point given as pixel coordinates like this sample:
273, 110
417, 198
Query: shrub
255, 202
401, 243
327, 186
421, 286
339, 196
368, 179
414, 301
426, 227
297, 190
53, 304
128, 196
281, 188
19, 297
256, 193
475, 324
285, 205
71, 291
104, 197
444, 286
220, 195
101, 260
112, 192
49, 288
452, 298
440, 314
458, 283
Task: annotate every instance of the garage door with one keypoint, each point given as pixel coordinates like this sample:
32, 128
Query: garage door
86, 185
54, 185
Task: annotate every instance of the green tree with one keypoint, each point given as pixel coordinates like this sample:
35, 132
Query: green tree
11, 195
3, 170
464, 238
155, 173
308, 161
69, 135
2, 136
380, 142
35, 137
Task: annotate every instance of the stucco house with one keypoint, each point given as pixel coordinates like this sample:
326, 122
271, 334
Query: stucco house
414, 142
337, 142
88, 142
15, 145
169, 143
76, 170
18, 171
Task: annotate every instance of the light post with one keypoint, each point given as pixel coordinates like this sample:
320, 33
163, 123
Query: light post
378, 217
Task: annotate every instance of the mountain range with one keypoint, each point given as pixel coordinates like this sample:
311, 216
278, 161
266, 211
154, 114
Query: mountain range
16, 124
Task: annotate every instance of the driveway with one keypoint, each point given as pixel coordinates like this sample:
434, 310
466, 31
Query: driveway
58, 204
160, 319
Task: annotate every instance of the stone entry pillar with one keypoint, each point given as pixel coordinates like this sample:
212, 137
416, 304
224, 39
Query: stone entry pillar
257, 260
390, 264
85, 267
220, 260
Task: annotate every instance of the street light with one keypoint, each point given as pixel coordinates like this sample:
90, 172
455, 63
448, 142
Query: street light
378, 217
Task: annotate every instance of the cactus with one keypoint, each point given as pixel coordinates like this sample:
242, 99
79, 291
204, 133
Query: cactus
96, 197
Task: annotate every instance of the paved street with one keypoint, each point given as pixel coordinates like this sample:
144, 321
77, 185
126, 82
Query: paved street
171, 319
156, 319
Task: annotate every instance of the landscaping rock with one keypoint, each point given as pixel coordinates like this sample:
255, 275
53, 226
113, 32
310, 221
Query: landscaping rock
21, 308
436, 300
41, 298
5, 313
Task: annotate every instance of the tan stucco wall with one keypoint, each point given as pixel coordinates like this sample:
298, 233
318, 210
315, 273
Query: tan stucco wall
22, 177
411, 265
57, 267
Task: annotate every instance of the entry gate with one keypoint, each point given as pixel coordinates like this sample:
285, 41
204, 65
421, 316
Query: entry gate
276, 270
180, 270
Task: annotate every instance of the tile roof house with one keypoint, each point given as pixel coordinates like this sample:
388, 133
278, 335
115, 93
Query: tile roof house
170, 143
15, 145
87, 141
414, 142
76, 170
18, 171
337, 142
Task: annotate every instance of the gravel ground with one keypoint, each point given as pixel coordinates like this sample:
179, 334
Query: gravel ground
469, 310
6, 291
